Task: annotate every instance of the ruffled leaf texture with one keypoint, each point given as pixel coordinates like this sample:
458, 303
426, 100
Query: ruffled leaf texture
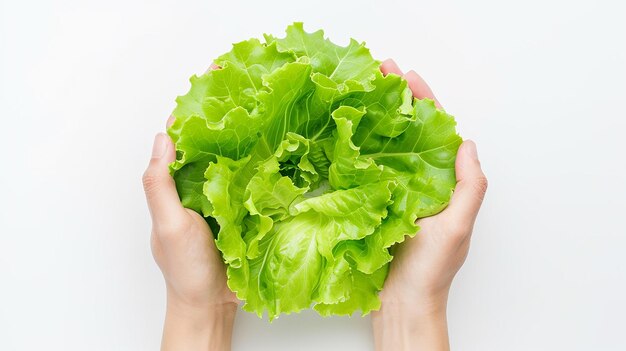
313, 164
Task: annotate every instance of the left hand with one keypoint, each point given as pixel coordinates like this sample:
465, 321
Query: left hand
198, 299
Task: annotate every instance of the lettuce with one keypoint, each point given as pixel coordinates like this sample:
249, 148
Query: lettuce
309, 164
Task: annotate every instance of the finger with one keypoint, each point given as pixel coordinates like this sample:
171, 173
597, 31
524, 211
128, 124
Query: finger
419, 87
212, 67
170, 121
471, 185
159, 186
390, 66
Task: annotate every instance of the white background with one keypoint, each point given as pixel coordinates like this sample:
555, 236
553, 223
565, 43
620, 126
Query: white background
539, 85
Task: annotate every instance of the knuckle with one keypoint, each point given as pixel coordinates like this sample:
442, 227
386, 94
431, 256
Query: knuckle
171, 229
457, 229
480, 185
155, 245
151, 182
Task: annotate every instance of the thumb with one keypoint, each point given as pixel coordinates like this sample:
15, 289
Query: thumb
471, 185
158, 184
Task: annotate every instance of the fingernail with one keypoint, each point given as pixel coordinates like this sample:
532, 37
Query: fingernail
160, 146
470, 149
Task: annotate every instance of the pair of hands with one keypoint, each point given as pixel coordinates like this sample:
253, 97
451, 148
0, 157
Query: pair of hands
201, 308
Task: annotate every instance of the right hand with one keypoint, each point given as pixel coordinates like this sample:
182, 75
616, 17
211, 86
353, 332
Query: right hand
415, 294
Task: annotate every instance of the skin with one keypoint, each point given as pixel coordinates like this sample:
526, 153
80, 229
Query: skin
201, 309
415, 295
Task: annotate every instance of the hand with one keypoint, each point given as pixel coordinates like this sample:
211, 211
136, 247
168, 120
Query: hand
200, 307
415, 295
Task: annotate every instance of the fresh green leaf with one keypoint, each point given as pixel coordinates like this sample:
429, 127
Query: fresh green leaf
312, 164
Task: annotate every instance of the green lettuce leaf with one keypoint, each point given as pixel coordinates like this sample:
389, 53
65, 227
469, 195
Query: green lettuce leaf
313, 165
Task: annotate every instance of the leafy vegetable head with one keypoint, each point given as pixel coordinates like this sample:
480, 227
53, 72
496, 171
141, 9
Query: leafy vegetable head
312, 164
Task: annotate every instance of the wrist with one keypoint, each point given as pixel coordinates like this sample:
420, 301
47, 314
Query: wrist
419, 324
203, 312
198, 327
416, 302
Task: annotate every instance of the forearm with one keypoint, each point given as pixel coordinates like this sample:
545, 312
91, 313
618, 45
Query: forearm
198, 329
398, 327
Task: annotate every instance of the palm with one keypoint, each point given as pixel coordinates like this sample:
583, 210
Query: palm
425, 265
191, 263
